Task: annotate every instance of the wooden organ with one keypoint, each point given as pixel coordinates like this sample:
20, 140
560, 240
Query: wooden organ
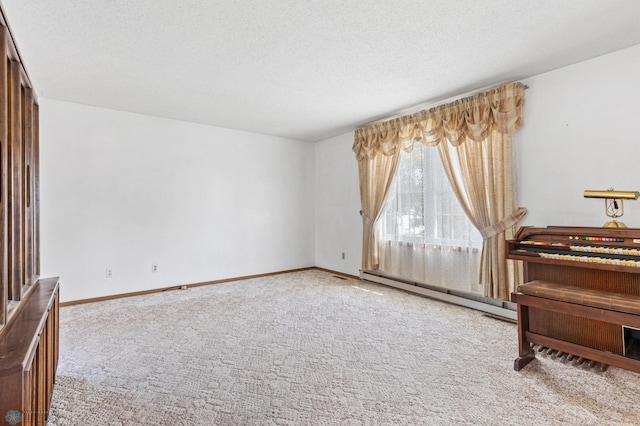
581, 294
28, 304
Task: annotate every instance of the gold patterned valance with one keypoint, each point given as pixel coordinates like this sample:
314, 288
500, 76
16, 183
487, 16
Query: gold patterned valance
473, 118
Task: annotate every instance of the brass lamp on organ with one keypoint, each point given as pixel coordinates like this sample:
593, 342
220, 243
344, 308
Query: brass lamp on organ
613, 203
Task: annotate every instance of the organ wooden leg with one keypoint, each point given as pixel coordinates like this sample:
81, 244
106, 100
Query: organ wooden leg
524, 346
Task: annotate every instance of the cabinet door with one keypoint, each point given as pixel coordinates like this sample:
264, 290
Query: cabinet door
21, 183
19, 178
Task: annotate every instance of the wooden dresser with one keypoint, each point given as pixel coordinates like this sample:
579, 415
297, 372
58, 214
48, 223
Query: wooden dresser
28, 304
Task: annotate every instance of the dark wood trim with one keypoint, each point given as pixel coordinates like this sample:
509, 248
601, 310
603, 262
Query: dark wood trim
27, 188
14, 198
355, 277
36, 186
179, 287
584, 311
4, 141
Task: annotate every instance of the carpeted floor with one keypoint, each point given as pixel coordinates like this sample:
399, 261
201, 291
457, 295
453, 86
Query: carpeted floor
307, 348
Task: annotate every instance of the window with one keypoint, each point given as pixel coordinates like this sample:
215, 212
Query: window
424, 233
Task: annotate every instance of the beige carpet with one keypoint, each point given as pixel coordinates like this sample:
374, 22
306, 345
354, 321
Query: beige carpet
307, 348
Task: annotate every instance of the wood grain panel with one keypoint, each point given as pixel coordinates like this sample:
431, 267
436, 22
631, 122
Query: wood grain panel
27, 191
4, 134
593, 279
29, 306
14, 185
581, 331
26, 372
36, 187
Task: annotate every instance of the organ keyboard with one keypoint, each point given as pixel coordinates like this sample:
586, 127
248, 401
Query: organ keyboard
554, 243
581, 296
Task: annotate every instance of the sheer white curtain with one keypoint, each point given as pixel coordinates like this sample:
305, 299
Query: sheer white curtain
423, 234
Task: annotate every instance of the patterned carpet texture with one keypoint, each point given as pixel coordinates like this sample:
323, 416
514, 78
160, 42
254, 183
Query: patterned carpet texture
308, 348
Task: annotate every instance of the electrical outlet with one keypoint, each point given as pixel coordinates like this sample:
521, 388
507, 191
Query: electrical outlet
342, 255
154, 268
109, 273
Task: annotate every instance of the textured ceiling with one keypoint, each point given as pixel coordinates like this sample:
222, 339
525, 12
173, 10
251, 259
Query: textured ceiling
303, 69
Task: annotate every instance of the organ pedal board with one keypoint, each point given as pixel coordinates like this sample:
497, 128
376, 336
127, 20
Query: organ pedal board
569, 358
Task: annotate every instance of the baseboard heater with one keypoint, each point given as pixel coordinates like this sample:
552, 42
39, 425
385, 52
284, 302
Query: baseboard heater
484, 304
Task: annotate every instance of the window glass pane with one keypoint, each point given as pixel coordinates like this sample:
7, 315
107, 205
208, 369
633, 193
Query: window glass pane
422, 209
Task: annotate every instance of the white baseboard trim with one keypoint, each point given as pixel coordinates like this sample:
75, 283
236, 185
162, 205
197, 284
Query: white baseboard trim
490, 308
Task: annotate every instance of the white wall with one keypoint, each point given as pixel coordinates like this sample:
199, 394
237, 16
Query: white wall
123, 191
582, 131
338, 222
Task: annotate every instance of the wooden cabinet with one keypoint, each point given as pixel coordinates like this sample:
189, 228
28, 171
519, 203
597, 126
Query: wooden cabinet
28, 304
19, 164
29, 356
